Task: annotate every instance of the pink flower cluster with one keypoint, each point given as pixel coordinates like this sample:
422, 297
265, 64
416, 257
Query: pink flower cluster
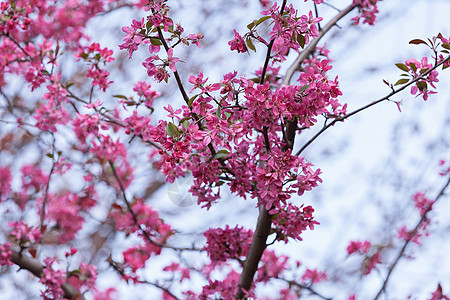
445, 165
65, 211
289, 30
147, 220
237, 43
314, 276
52, 112
5, 183
94, 55
52, 279
358, 247
83, 278
292, 220
423, 205
16, 16
421, 88
23, 234
5, 254
372, 256
228, 243
367, 9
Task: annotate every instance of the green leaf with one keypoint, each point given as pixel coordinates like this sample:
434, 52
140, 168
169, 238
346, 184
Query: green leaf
192, 100
401, 81
423, 70
422, 85
413, 66
251, 25
155, 41
221, 154
262, 19
186, 124
301, 40
250, 44
120, 97
219, 112
446, 46
303, 88
402, 67
49, 155
172, 130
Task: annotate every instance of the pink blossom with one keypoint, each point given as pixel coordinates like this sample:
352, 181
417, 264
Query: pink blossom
237, 43
174, 267
84, 277
368, 10
358, 247
422, 203
195, 38
273, 266
173, 113
104, 295
171, 60
24, 234
197, 81
5, 183
313, 276
445, 165
371, 262
5, 254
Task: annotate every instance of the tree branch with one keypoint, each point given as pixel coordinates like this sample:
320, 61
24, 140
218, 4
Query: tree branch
423, 76
264, 223
256, 251
413, 233
36, 268
312, 46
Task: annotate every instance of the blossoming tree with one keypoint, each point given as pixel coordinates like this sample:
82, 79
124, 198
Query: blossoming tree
237, 134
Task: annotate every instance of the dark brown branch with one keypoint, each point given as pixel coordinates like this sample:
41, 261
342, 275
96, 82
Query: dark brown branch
264, 223
413, 234
256, 251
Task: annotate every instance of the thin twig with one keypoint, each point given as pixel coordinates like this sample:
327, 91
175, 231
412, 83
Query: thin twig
312, 46
291, 125
135, 219
47, 188
305, 287
339, 119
